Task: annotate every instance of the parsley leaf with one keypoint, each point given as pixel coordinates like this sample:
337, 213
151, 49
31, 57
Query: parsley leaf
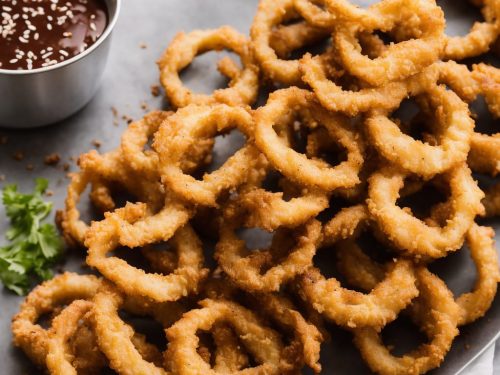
33, 246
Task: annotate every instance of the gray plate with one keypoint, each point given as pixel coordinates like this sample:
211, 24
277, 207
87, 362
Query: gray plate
130, 73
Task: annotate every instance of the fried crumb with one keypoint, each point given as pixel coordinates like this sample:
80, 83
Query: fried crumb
467, 346
2, 177
30, 167
115, 122
3, 139
52, 159
66, 167
72, 158
115, 111
68, 176
143, 45
144, 106
128, 119
155, 90
18, 155
96, 143
49, 193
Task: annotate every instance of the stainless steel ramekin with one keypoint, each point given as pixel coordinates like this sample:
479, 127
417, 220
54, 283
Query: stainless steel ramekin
31, 98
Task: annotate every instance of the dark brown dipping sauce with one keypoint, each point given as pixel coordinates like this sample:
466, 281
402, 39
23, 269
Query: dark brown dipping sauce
39, 33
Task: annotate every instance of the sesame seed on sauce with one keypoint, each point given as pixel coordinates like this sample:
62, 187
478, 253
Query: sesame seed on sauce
41, 33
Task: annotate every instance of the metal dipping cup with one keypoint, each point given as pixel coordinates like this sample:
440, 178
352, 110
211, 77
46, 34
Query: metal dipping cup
38, 97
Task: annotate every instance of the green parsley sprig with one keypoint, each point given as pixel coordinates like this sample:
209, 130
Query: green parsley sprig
33, 246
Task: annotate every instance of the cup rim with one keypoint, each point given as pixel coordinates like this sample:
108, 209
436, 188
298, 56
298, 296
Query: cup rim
104, 36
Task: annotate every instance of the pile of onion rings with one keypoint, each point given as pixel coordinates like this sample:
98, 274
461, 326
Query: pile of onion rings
325, 162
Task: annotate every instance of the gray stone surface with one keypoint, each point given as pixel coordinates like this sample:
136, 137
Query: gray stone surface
130, 72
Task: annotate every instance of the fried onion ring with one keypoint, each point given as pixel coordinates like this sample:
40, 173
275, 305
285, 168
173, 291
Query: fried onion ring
424, 17
183, 341
392, 293
109, 166
112, 332
364, 273
484, 155
242, 88
101, 171
186, 127
45, 298
271, 13
290, 207
410, 234
439, 317
158, 220
351, 309
103, 237
294, 250
455, 130
296, 166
